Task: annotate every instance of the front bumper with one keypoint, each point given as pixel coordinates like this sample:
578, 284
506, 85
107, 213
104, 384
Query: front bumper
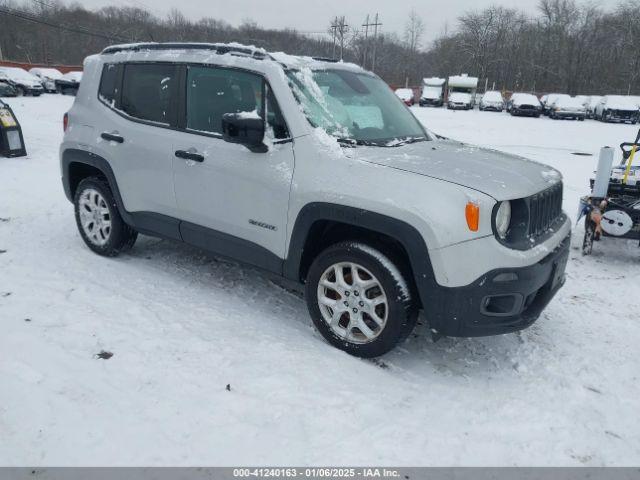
569, 114
501, 301
458, 106
425, 102
526, 111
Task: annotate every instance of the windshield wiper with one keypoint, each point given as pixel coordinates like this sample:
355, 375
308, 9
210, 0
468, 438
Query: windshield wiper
347, 142
406, 141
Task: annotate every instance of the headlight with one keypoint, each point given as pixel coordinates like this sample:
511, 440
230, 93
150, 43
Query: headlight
503, 219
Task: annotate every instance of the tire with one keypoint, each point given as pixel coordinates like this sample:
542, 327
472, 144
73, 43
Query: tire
94, 202
396, 314
20, 92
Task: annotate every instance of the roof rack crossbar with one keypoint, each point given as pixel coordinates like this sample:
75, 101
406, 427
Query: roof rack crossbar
219, 48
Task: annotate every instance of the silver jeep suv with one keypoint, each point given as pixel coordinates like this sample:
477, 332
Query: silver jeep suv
313, 170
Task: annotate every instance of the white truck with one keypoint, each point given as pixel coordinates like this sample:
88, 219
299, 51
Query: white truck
432, 92
462, 92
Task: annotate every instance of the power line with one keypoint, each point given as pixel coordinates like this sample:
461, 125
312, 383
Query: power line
83, 31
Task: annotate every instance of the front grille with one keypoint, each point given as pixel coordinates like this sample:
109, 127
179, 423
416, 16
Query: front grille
624, 114
544, 209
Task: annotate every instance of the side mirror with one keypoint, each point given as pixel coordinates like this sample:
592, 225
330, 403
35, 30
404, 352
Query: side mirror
245, 128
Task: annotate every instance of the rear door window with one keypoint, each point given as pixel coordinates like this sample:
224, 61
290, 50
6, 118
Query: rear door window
149, 92
212, 92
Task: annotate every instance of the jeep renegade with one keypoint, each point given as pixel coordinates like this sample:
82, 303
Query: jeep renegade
315, 171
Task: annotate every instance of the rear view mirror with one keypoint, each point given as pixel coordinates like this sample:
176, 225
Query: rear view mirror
245, 128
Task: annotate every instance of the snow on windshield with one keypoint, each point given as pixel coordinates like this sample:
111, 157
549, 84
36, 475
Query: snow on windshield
492, 97
353, 105
524, 98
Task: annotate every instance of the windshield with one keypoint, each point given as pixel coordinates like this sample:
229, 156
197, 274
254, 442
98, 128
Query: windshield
352, 106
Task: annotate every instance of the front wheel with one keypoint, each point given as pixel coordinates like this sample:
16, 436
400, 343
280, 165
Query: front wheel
98, 219
359, 300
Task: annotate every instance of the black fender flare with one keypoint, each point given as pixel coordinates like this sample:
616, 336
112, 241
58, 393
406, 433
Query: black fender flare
72, 155
407, 235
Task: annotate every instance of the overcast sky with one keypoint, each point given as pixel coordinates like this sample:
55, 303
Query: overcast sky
315, 15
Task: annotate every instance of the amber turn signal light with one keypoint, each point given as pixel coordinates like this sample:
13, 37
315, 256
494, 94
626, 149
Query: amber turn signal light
472, 213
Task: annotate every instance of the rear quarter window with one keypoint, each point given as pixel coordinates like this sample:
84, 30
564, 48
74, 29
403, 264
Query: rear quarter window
110, 84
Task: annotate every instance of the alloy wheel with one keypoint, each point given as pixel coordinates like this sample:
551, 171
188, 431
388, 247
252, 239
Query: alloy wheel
352, 302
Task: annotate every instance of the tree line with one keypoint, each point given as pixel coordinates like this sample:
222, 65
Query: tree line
566, 46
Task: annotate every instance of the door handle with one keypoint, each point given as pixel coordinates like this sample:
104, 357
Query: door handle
112, 137
186, 155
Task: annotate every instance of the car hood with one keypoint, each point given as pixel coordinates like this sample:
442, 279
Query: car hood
460, 97
500, 175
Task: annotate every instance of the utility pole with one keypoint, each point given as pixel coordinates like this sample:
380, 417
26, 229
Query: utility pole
342, 29
376, 24
334, 28
366, 37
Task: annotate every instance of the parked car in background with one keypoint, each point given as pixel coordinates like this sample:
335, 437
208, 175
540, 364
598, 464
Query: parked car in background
432, 92
69, 83
460, 101
48, 77
570, 108
23, 81
548, 100
592, 104
406, 95
7, 89
524, 105
618, 109
493, 101
463, 84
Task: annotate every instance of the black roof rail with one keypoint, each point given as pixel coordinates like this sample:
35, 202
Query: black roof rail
219, 48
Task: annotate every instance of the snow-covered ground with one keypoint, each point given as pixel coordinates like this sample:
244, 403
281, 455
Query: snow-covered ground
182, 326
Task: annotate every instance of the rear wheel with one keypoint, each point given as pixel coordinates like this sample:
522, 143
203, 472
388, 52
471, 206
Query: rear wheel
359, 300
99, 221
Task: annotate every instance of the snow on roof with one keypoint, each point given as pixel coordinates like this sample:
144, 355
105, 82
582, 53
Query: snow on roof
621, 102
434, 81
568, 102
236, 49
464, 81
47, 72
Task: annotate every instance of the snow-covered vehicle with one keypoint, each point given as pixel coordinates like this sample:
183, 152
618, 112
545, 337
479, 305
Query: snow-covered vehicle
432, 92
462, 92
406, 95
524, 105
571, 108
7, 89
460, 101
69, 83
618, 109
550, 99
47, 76
492, 100
592, 104
23, 81
379, 218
